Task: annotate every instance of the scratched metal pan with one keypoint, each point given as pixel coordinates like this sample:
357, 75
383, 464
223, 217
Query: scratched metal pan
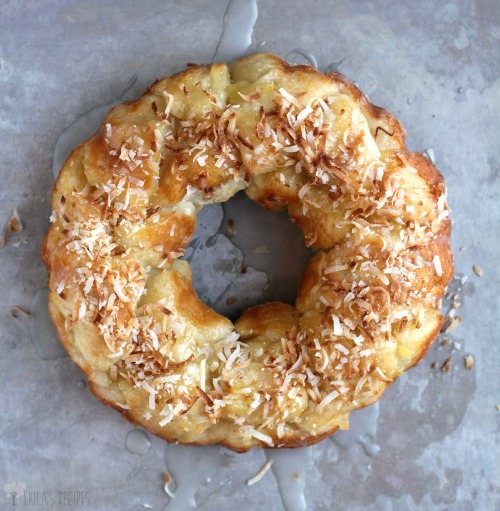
428, 443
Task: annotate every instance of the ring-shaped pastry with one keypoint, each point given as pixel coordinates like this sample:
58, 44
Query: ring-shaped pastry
124, 209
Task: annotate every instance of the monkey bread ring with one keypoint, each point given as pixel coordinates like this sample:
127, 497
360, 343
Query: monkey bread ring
295, 140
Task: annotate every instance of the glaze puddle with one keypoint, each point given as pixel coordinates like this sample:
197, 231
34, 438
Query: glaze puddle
363, 430
291, 56
191, 468
82, 129
429, 154
334, 67
42, 330
138, 442
236, 38
306, 54
289, 468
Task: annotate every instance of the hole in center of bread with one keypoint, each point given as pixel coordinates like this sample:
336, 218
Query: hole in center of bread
244, 255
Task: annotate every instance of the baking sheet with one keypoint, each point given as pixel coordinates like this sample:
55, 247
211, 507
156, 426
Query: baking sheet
430, 443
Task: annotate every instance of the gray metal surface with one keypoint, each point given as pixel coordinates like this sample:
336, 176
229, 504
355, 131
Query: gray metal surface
435, 65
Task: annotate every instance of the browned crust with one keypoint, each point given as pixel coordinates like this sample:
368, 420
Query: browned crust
426, 345
290, 442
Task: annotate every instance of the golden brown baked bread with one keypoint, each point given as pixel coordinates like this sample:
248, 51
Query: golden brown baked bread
294, 139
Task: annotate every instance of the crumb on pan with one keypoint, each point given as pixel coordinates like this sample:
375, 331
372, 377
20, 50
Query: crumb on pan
469, 362
445, 367
477, 270
14, 224
167, 480
17, 312
230, 230
450, 324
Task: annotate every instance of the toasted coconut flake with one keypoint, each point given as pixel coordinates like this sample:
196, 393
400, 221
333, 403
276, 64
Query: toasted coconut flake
60, 287
365, 353
136, 181
261, 473
119, 292
429, 154
170, 103
469, 362
336, 268
117, 354
152, 393
341, 348
259, 435
338, 328
381, 275
14, 224
289, 97
360, 384
304, 190
437, 265
204, 396
232, 358
244, 96
383, 377
166, 489
169, 378
328, 399
174, 412
445, 367
303, 114
450, 324
477, 270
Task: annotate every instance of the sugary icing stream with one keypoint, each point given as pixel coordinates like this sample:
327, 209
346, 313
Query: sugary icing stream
191, 469
311, 59
84, 127
335, 66
42, 330
138, 442
363, 430
289, 468
238, 23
